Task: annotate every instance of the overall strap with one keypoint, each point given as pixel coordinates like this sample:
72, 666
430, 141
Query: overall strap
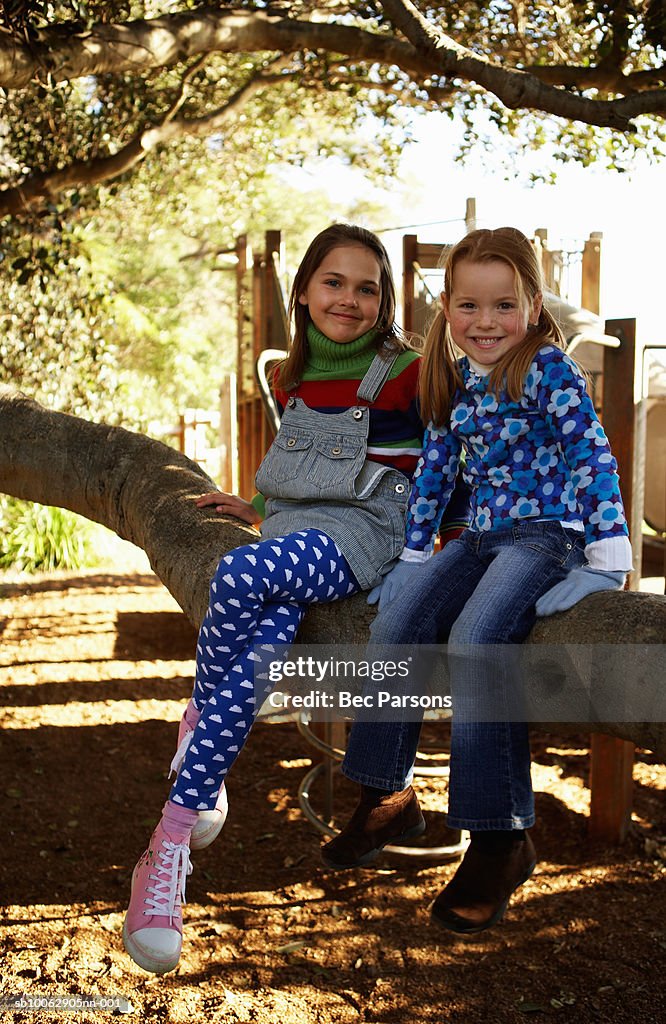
376, 376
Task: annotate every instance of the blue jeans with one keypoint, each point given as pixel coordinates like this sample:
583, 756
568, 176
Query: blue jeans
481, 589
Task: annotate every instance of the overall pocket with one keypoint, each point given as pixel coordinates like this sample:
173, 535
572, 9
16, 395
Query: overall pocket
284, 460
334, 465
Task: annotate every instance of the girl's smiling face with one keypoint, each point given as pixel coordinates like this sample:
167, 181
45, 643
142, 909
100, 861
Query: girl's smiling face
486, 316
344, 293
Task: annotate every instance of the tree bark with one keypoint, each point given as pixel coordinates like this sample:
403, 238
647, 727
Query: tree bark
141, 489
142, 45
144, 491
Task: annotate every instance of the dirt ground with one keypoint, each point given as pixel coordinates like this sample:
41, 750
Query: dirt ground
94, 670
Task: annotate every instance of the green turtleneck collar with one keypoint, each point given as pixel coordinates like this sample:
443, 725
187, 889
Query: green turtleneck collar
349, 358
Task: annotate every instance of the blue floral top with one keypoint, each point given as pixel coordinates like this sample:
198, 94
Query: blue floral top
545, 456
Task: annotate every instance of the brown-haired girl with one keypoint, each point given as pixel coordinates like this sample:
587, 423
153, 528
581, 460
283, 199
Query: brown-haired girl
335, 483
548, 528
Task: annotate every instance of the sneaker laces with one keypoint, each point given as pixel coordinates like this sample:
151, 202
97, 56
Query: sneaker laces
179, 756
174, 863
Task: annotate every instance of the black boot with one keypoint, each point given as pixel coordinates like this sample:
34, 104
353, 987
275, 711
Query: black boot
491, 870
379, 819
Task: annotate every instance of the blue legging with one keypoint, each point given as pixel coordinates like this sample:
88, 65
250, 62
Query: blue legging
258, 597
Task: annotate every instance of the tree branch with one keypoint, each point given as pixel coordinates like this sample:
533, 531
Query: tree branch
141, 489
572, 76
619, 31
514, 88
402, 90
421, 34
145, 491
647, 78
139, 46
183, 91
436, 94
47, 185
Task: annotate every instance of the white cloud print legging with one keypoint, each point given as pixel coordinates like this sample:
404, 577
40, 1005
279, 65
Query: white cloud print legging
258, 597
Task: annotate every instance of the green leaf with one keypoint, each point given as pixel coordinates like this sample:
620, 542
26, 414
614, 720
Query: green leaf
291, 947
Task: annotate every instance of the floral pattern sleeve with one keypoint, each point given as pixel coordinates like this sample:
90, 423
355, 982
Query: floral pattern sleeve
432, 486
594, 487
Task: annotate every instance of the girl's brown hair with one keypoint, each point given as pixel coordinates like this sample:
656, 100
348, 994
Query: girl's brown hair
440, 372
290, 372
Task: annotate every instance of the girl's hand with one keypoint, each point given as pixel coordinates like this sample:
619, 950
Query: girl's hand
394, 583
230, 505
577, 585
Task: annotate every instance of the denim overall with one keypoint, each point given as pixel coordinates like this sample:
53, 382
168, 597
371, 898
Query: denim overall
317, 473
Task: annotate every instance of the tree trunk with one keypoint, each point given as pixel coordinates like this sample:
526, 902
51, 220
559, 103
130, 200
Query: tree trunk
144, 491
141, 489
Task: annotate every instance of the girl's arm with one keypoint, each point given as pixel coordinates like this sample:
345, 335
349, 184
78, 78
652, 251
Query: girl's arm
568, 409
434, 480
432, 487
595, 493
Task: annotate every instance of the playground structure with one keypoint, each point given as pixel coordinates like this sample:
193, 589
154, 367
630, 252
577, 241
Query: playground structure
607, 350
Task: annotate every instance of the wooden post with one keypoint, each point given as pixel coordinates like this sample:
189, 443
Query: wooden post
241, 305
244, 297
611, 760
254, 430
273, 243
258, 332
409, 253
250, 429
618, 406
470, 215
181, 433
229, 434
591, 273
551, 262
611, 785
270, 330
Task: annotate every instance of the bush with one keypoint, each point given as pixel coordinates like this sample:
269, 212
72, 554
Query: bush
38, 537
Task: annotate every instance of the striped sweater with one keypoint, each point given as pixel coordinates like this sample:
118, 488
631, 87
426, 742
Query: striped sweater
329, 385
330, 381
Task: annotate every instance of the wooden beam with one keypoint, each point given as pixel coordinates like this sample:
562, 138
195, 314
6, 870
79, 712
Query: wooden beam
611, 760
618, 405
429, 255
272, 246
470, 215
591, 273
409, 251
611, 786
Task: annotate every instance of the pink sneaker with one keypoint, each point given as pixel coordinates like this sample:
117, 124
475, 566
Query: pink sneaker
209, 823
153, 928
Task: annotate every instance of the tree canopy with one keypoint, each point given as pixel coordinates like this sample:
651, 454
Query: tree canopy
92, 88
135, 134
119, 195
